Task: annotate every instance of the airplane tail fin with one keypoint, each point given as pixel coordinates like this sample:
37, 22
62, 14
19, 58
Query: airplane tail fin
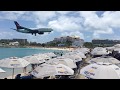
17, 25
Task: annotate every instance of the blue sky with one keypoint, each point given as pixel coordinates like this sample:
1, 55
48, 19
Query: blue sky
87, 25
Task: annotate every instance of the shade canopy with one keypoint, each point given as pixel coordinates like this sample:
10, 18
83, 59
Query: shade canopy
99, 51
84, 50
51, 54
14, 62
82, 55
50, 70
2, 71
34, 59
62, 60
104, 60
44, 56
101, 71
76, 58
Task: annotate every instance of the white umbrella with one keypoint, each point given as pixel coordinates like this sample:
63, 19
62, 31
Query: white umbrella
13, 62
82, 55
34, 59
50, 54
99, 51
101, 71
2, 71
84, 50
62, 60
117, 46
104, 60
117, 49
51, 70
110, 48
76, 58
44, 56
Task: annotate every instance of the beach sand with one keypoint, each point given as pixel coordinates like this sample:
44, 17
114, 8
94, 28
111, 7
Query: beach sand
53, 48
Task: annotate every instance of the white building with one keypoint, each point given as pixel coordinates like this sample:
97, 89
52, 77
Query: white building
14, 43
78, 43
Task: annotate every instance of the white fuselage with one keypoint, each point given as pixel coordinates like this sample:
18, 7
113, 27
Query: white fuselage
23, 31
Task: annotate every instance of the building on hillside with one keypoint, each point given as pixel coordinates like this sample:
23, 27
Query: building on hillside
21, 41
66, 38
7, 41
61, 45
78, 43
105, 42
74, 40
13, 43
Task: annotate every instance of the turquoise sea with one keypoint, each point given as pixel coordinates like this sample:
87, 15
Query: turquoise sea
20, 52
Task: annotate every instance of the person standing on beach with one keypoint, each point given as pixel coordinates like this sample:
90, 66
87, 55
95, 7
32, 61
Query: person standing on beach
33, 66
24, 70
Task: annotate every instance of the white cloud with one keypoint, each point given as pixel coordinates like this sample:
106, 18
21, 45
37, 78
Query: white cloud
11, 15
88, 36
111, 18
36, 16
63, 12
100, 25
43, 16
92, 21
115, 37
97, 33
64, 23
6, 35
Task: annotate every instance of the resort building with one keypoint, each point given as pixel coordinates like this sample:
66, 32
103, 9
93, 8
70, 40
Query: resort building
14, 43
78, 43
73, 41
66, 38
105, 42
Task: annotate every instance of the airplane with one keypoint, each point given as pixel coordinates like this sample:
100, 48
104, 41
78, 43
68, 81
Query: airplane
32, 31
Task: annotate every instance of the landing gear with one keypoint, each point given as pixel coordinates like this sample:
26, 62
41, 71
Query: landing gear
32, 33
35, 34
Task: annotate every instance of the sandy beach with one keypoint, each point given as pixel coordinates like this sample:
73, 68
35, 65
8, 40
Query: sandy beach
53, 48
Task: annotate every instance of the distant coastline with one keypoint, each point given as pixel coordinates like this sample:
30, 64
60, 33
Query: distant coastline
38, 47
52, 48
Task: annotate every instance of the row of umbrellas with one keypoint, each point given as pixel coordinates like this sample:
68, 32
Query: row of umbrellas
100, 68
99, 51
104, 67
51, 70
62, 65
